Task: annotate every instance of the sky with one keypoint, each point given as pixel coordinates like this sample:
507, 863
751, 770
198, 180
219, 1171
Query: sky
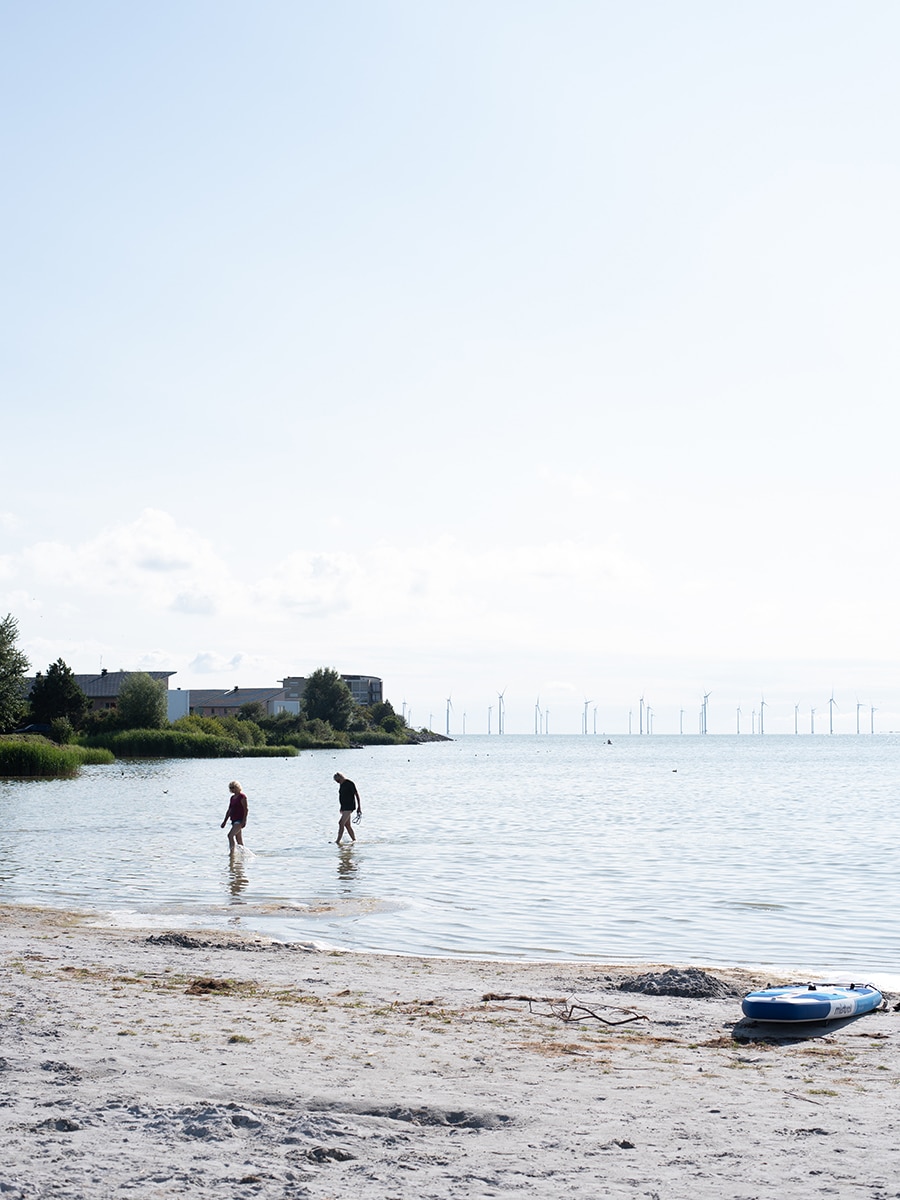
549, 350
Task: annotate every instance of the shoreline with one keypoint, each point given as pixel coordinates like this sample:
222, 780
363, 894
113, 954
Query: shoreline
217, 1064
888, 981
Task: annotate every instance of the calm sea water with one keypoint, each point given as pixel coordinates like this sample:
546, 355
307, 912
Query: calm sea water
770, 850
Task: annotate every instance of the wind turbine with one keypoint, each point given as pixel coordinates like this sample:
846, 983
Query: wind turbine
629, 720
858, 707
641, 723
537, 715
812, 720
681, 720
762, 705
500, 722
584, 722
464, 724
872, 712
595, 720
649, 720
739, 718
705, 709
490, 710
796, 716
449, 710
832, 705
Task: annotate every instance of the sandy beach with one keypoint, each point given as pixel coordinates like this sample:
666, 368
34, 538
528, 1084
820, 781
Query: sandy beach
148, 1064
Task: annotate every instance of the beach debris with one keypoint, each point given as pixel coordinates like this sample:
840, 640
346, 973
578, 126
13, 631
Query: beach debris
323, 1154
60, 1124
689, 982
213, 987
63, 1071
567, 1010
184, 941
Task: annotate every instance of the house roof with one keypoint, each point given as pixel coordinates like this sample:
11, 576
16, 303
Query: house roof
106, 684
233, 698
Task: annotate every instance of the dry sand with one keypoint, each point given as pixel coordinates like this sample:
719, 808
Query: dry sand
144, 1065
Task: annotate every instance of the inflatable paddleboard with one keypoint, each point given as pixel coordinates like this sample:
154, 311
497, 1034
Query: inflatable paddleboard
810, 1002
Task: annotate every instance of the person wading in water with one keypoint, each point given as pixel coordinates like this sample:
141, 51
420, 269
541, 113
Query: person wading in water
348, 798
237, 815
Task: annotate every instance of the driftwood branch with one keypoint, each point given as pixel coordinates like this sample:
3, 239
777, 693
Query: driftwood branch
565, 1010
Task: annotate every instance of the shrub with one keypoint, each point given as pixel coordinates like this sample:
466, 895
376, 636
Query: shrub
247, 732
376, 737
61, 730
104, 720
305, 740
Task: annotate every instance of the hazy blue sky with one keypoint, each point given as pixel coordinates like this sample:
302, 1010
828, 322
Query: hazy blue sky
551, 347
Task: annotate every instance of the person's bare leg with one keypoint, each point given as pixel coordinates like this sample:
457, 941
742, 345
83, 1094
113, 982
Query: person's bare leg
238, 837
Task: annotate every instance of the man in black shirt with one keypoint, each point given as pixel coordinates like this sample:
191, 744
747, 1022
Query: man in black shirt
348, 798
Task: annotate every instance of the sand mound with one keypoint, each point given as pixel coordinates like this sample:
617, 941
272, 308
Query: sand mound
685, 981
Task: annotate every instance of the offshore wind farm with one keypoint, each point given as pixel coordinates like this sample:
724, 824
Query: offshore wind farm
641, 719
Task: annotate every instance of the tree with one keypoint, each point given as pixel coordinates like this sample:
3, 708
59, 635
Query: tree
13, 665
327, 698
56, 694
142, 702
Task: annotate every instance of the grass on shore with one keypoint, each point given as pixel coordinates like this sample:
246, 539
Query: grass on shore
174, 743
26, 757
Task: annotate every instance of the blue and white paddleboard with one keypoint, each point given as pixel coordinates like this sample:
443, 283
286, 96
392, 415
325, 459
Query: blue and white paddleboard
810, 1002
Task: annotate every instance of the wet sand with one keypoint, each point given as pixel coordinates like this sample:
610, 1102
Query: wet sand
139, 1064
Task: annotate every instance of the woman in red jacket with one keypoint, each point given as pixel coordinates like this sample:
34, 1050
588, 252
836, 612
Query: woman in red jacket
237, 815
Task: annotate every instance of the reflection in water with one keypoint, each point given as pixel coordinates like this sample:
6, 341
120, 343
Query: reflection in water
347, 865
237, 881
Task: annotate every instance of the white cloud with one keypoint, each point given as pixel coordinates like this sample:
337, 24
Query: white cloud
576, 484
210, 663
193, 603
151, 559
313, 585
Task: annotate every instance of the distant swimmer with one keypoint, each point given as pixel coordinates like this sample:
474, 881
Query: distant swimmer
348, 798
237, 815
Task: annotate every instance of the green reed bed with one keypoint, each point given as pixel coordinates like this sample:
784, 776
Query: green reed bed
269, 752
174, 743
37, 758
